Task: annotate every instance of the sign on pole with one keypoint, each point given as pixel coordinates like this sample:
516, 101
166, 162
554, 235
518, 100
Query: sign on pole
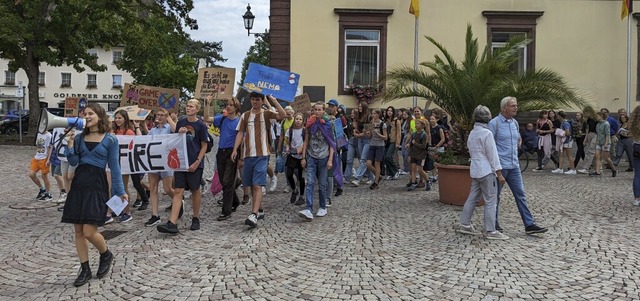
302, 104
215, 82
149, 97
271, 81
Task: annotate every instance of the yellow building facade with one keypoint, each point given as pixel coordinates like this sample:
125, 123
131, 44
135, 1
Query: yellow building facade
333, 43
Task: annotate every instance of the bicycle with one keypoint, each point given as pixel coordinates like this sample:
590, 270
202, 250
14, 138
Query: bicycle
524, 156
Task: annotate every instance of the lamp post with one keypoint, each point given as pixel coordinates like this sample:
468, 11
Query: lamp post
248, 19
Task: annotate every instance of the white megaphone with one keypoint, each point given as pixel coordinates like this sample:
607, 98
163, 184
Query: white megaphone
49, 121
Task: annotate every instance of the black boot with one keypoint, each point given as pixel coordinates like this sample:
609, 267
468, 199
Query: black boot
84, 275
106, 259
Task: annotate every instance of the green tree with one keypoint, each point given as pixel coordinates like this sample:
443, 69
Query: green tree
157, 54
482, 78
36, 32
258, 53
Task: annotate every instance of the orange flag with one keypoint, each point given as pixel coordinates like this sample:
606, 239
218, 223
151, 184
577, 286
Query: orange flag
627, 8
414, 8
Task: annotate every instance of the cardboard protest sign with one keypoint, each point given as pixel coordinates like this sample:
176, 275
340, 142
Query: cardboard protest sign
271, 81
150, 97
74, 106
215, 82
302, 104
135, 112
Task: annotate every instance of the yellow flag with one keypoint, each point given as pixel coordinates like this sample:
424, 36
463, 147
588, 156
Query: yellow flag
414, 8
627, 8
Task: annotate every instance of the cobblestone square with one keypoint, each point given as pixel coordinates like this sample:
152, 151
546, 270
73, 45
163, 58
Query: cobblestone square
385, 244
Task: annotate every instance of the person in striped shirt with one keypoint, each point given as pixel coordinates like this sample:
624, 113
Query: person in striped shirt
253, 132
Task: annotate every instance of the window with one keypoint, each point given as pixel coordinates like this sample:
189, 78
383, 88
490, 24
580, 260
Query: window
41, 77
66, 80
9, 78
362, 57
499, 39
92, 80
502, 25
117, 56
116, 80
363, 46
94, 55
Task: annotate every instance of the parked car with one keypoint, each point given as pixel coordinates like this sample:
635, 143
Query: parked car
11, 126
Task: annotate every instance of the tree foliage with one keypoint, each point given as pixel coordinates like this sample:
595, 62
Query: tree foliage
258, 53
481, 78
35, 32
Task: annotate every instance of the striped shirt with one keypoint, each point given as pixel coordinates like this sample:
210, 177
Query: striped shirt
256, 133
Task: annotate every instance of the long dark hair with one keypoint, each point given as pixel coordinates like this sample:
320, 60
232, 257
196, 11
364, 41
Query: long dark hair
363, 116
386, 118
103, 119
126, 125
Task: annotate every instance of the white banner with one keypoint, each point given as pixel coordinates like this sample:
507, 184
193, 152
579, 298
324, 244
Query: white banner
153, 153
141, 154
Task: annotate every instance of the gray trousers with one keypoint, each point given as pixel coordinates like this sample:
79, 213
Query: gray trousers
589, 150
487, 189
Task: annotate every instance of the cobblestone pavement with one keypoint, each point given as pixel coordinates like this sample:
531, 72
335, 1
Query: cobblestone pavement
386, 244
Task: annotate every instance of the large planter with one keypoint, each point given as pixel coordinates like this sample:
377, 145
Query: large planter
454, 183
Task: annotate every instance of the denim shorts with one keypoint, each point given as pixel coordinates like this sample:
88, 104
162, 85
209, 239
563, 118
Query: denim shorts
254, 172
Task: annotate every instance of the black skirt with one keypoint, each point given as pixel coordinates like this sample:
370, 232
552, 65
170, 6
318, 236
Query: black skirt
87, 198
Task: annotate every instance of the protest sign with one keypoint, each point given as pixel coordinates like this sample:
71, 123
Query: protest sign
153, 153
58, 142
149, 97
271, 81
134, 112
302, 104
215, 82
74, 106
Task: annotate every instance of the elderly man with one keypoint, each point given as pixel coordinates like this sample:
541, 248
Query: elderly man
485, 172
505, 132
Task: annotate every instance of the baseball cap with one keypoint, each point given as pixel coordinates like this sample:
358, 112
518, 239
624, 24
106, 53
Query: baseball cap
333, 102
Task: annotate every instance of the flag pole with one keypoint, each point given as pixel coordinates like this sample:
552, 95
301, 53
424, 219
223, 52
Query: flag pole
629, 60
415, 58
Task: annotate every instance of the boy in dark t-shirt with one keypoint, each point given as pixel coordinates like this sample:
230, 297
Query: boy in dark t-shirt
196, 132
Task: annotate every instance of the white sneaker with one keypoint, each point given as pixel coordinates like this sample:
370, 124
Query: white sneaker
369, 182
286, 189
264, 191
251, 221
570, 172
62, 198
636, 202
306, 214
402, 173
557, 170
355, 183
495, 235
321, 212
583, 171
274, 184
467, 230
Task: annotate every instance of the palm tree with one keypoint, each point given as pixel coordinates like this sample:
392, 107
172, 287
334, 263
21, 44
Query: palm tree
480, 79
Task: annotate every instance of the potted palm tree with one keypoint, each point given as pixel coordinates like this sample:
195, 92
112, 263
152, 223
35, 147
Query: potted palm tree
481, 78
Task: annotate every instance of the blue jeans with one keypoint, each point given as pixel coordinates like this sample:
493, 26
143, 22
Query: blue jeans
405, 158
636, 177
316, 171
514, 180
351, 155
363, 146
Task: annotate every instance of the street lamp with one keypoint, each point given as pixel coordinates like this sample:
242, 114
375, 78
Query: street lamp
248, 19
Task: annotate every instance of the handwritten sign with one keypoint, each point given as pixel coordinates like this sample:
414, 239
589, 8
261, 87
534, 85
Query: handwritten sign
135, 112
150, 97
74, 106
271, 81
215, 82
302, 104
153, 153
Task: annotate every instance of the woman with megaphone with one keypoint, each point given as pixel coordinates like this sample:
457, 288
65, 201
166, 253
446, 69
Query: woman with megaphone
85, 207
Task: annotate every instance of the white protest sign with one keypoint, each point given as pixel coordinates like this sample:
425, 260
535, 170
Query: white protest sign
58, 142
153, 153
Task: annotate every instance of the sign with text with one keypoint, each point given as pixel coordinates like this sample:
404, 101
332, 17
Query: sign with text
149, 97
153, 153
74, 106
135, 112
215, 82
271, 81
302, 104
58, 141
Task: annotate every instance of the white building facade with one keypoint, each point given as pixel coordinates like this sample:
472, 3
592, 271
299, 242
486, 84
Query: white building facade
57, 83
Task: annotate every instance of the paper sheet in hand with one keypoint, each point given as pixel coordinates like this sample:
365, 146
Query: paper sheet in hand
116, 204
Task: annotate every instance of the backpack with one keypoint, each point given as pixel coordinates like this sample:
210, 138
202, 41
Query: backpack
209, 142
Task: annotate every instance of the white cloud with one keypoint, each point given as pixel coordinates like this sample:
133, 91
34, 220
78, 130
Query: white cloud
221, 21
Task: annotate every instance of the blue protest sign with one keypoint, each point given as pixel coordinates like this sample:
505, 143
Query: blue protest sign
266, 80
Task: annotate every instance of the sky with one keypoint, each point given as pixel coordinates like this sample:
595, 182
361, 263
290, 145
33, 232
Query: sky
221, 21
